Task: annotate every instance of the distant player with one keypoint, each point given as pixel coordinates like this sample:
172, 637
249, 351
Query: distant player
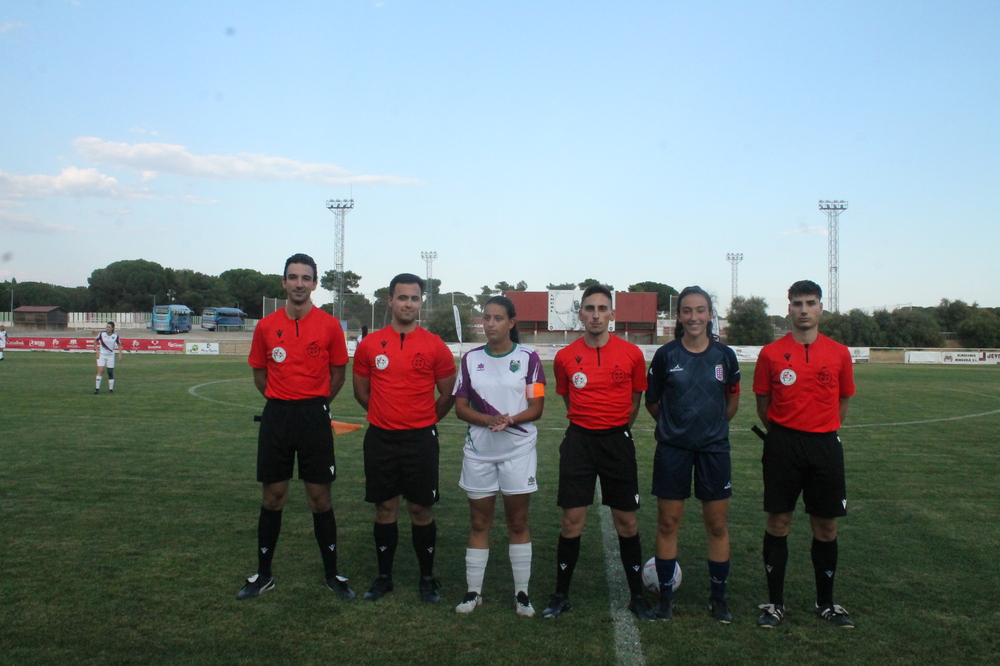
106, 344
500, 391
694, 391
299, 360
396, 372
803, 383
601, 379
3, 340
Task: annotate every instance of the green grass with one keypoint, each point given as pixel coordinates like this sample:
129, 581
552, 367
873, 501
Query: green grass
128, 522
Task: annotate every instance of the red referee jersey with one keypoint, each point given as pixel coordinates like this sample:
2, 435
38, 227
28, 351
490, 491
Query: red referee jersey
403, 370
298, 353
600, 381
805, 382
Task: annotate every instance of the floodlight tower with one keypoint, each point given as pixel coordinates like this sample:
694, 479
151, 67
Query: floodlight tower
340, 208
429, 257
833, 209
735, 258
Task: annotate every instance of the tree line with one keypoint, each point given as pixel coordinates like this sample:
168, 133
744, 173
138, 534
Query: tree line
973, 325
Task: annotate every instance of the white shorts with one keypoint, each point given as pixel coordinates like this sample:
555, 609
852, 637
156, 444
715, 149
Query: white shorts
105, 361
516, 476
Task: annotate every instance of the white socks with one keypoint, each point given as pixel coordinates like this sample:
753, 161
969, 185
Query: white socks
475, 568
520, 564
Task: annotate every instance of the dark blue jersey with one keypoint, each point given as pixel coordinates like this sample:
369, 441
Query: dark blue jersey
691, 389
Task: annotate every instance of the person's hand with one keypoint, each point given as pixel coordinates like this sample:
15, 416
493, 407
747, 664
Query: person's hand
500, 422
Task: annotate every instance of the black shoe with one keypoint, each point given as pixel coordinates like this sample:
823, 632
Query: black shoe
665, 608
835, 615
523, 605
771, 617
558, 604
430, 589
379, 588
720, 611
339, 585
97, 391
255, 586
641, 608
111, 390
469, 602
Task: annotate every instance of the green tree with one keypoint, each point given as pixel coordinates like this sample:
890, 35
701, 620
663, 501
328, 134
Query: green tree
127, 286
663, 293
562, 286
442, 322
748, 322
949, 314
196, 290
980, 330
504, 287
351, 281
249, 288
906, 328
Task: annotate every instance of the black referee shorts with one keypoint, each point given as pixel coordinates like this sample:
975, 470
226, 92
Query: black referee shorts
585, 455
804, 462
295, 427
402, 462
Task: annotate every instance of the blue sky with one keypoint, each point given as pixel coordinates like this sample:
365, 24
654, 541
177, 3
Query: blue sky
536, 141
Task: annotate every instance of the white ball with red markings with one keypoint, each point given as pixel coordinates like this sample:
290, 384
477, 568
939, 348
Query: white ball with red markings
652, 581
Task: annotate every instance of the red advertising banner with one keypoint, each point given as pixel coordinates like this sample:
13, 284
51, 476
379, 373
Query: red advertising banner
139, 345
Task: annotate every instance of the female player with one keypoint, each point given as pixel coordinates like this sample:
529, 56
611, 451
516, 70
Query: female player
105, 345
694, 391
499, 392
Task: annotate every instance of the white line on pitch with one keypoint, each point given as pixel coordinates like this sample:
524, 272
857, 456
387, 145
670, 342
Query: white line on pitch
628, 644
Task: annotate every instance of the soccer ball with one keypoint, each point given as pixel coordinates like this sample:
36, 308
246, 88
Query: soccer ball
652, 581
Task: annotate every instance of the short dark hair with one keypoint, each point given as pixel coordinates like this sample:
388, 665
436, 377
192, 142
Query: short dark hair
805, 288
405, 278
300, 258
596, 289
112, 325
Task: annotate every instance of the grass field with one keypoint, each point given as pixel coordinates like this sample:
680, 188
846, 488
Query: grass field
128, 522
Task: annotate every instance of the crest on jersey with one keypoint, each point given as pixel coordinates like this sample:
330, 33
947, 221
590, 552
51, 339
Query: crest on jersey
579, 380
515, 366
278, 354
381, 361
618, 375
313, 349
419, 362
787, 377
719, 374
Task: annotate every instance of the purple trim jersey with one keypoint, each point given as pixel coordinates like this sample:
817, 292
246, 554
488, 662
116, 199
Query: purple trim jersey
499, 385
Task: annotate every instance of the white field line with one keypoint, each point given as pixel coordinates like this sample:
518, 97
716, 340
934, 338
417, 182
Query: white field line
628, 644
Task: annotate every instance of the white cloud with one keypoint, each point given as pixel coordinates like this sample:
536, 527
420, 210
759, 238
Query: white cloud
168, 158
24, 223
72, 182
9, 26
806, 231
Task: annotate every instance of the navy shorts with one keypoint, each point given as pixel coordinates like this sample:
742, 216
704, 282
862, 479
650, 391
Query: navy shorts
585, 455
295, 427
401, 462
804, 462
672, 466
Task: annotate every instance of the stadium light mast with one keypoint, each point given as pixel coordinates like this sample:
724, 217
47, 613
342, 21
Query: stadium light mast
340, 208
429, 257
833, 209
735, 258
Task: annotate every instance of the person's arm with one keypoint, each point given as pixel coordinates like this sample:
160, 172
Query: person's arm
844, 404
362, 390
566, 401
260, 379
338, 375
464, 411
532, 413
445, 399
763, 402
732, 405
653, 408
636, 399
121, 348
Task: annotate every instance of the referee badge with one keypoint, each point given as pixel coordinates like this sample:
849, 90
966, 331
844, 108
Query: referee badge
579, 380
381, 361
787, 377
278, 354
719, 374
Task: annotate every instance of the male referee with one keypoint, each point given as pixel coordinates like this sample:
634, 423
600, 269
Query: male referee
601, 379
803, 383
298, 356
396, 372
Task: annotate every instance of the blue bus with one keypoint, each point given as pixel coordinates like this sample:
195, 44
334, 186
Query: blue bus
172, 318
214, 319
